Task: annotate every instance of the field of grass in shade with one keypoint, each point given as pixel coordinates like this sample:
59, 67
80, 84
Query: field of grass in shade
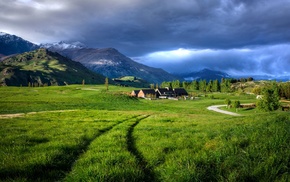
95, 135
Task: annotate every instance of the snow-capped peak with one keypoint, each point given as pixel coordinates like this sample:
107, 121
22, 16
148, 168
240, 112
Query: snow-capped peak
2, 33
64, 45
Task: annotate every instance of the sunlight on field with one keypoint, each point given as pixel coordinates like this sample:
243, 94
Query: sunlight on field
85, 133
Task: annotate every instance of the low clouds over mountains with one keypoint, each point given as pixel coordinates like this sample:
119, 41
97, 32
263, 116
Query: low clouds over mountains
216, 33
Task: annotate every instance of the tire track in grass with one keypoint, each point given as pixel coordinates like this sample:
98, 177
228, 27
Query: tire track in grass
108, 158
60, 165
86, 145
131, 146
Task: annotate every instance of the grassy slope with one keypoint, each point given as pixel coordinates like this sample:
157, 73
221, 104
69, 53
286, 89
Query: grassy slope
44, 67
112, 137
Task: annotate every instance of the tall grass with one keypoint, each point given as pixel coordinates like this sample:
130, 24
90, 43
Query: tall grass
95, 135
44, 146
191, 148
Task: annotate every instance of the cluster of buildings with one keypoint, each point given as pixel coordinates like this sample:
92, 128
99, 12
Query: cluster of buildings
161, 93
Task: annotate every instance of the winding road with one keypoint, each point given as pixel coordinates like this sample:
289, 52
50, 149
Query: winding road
216, 109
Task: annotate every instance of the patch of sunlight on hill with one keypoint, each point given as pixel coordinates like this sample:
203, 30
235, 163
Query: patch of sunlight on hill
47, 66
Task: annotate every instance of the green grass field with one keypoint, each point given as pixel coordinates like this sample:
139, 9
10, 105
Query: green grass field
84, 133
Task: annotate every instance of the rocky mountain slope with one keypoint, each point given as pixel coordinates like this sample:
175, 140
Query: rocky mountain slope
11, 44
111, 63
43, 67
206, 74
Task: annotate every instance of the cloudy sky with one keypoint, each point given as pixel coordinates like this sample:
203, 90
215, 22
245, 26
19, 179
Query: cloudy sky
236, 36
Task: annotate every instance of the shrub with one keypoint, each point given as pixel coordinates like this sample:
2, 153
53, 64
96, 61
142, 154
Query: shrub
237, 104
228, 102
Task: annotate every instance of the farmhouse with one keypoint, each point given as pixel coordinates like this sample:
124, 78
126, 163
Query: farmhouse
145, 93
164, 93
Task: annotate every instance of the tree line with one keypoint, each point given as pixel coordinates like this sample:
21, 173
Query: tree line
282, 89
204, 86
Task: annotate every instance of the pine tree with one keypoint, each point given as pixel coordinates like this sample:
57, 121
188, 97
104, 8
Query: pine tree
195, 85
216, 86
209, 86
202, 85
226, 85
270, 99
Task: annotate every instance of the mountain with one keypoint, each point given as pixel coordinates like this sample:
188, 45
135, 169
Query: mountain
43, 67
111, 63
11, 44
205, 74
62, 45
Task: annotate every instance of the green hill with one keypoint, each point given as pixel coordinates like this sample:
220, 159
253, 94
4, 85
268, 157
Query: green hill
43, 67
131, 81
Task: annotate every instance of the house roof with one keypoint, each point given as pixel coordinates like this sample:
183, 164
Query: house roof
148, 91
136, 91
162, 90
181, 91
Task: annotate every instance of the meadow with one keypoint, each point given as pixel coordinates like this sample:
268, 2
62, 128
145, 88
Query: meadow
85, 133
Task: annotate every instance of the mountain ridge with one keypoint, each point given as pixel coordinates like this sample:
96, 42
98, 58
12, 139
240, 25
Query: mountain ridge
12, 44
113, 64
204, 74
44, 67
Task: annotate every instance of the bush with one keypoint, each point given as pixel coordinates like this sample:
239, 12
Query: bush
237, 104
228, 102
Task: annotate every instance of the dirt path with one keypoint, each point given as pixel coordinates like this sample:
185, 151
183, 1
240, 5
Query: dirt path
5, 116
216, 109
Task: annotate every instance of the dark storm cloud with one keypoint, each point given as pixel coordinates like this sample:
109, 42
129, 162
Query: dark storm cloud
138, 28
272, 60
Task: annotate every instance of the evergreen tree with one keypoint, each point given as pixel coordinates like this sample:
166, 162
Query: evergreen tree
202, 85
195, 85
270, 99
175, 84
209, 86
226, 85
216, 86
185, 85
